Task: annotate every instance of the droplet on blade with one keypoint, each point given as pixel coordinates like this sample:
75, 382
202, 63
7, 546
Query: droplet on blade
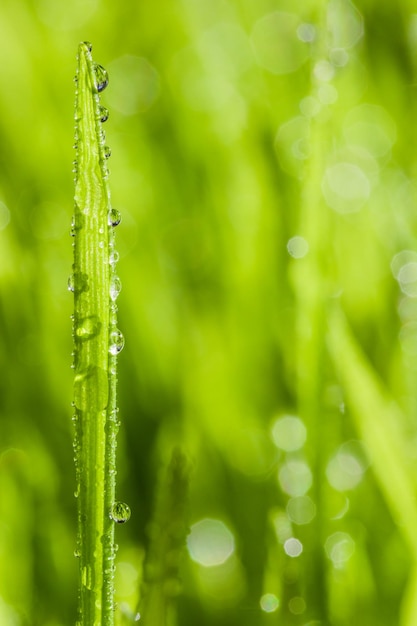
114, 257
101, 77
71, 283
120, 512
78, 282
117, 341
115, 287
107, 152
104, 114
114, 217
88, 328
89, 45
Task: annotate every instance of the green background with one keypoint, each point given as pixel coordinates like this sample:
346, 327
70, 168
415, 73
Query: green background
263, 160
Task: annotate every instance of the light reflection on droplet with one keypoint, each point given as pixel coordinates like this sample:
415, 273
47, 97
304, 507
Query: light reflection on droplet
339, 548
344, 24
293, 547
323, 71
276, 42
400, 259
295, 478
289, 433
210, 542
300, 149
346, 469
339, 57
301, 510
269, 602
297, 247
297, 605
407, 278
346, 188
310, 106
306, 32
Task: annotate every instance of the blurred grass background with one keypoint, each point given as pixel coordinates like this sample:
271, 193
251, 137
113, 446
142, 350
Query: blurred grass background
263, 159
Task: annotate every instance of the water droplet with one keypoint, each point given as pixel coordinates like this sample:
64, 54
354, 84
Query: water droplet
102, 77
107, 152
104, 114
114, 257
117, 341
115, 287
120, 512
78, 282
89, 45
75, 166
71, 283
88, 327
114, 217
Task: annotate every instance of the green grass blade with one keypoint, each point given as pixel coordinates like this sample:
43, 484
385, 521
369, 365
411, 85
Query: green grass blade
97, 342
378, 421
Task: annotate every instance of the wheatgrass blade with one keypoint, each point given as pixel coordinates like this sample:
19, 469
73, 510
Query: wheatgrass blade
97, 342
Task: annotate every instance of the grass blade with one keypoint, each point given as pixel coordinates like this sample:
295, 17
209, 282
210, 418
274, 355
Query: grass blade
97, 343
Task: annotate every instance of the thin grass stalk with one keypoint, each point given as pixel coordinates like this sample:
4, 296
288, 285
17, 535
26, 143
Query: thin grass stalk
97, 342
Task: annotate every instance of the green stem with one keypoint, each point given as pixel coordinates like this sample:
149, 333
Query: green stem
97, 342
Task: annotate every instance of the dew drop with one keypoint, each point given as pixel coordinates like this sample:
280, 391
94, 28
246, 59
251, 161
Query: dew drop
102, 77
117, 341
115, 287
104, 114
107, 152
114, 257
120, 512
71, 283
114, 217
89, 45
78, 282
87, 328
